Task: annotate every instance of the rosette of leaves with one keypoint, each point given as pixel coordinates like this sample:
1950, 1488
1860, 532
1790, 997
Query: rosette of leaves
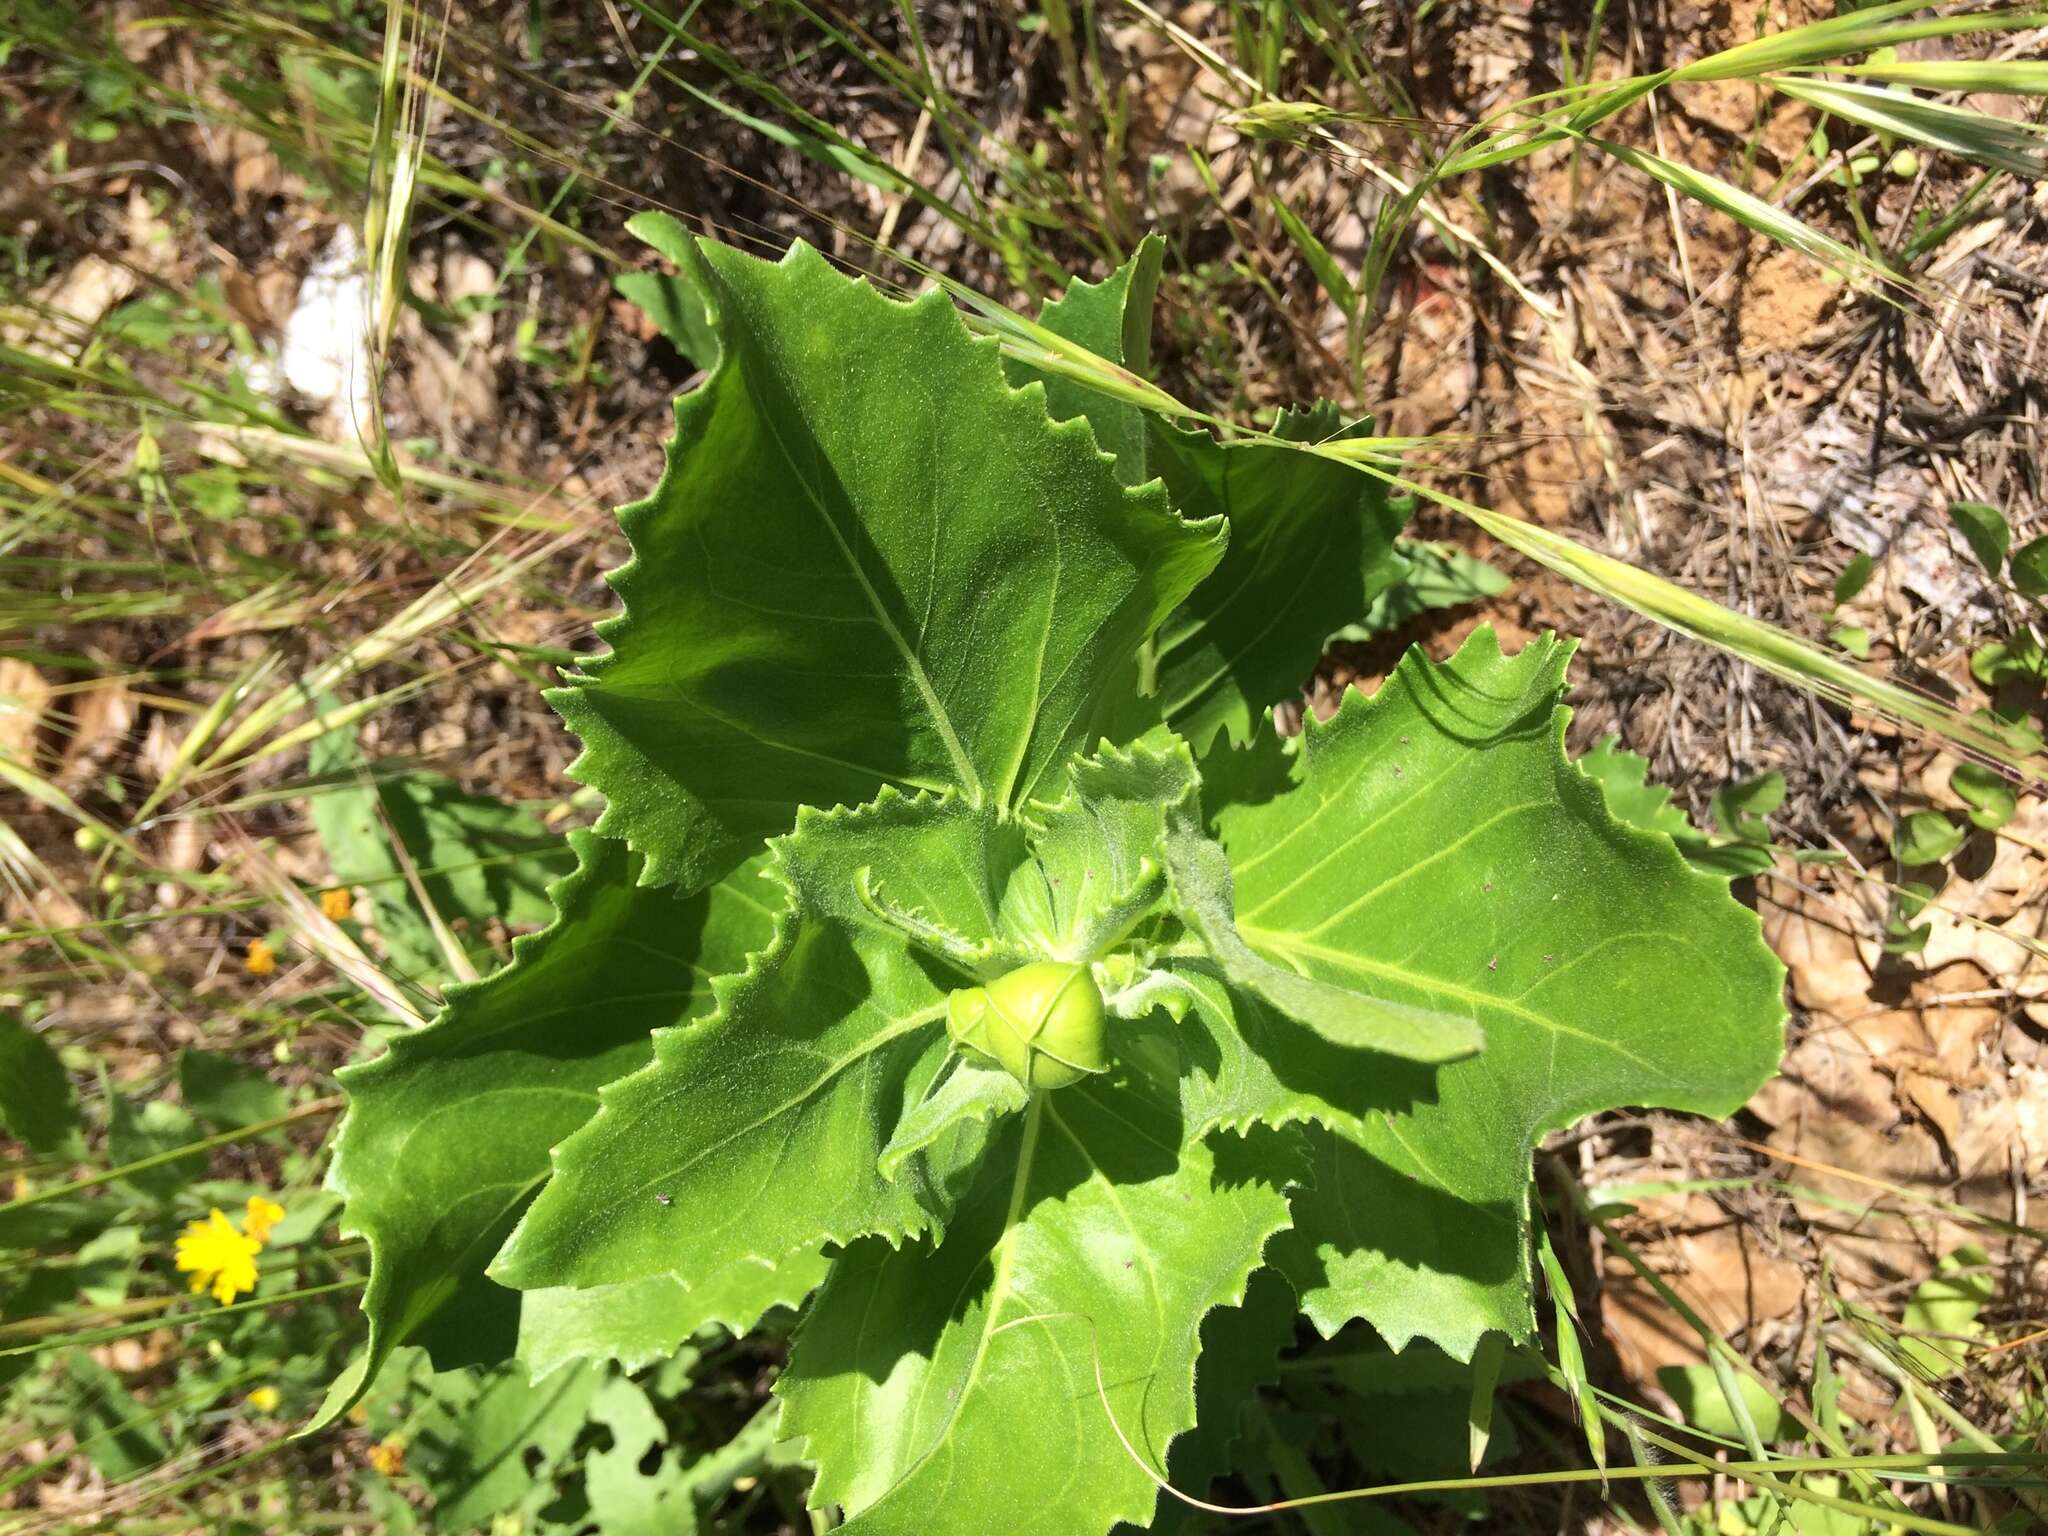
962, 957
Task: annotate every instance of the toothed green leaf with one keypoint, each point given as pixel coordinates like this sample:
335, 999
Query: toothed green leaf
1311, 547
1112, 319
1440, 850
643, 1321
448, 1132
812, 1057
870, 562
953, 1390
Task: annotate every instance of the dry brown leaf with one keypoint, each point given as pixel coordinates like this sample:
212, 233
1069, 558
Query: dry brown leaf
24, 698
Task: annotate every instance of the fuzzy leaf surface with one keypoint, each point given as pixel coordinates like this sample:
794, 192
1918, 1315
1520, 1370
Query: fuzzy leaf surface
954, 1389
755, 1134
642, 1321
825, 1054
448, 1132
1440, 849
870, 562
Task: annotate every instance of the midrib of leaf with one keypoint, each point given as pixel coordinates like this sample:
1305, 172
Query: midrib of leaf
999, 1285
1291, 946
1109, 1188
912, 781
970, 781
1052, 599
1323, 802
1520, 807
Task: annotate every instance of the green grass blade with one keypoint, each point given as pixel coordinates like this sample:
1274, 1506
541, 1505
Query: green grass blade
2021, 148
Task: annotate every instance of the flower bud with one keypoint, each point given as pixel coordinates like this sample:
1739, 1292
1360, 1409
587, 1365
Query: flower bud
1042, 1023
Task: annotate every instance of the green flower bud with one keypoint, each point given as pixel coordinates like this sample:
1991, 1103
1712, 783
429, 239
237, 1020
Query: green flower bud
1043, 1024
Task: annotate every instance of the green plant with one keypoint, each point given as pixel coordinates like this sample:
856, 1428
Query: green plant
987, 707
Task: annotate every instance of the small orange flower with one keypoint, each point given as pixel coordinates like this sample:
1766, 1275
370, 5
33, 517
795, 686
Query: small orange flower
263, 1215
219, 1256
261, 960
336, 903
388, 1455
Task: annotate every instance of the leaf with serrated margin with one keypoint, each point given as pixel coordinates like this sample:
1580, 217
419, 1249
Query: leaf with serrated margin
1097, 865
447, 1133
1440, 848
1112, 319
675, 308
1241, 1348
870, 562
1311, 546
755, 1133
643, 1321
954, 1390
968, 1095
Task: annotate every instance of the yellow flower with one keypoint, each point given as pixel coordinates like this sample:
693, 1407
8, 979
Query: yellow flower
262, 959
219, 1256
388, 1455
263, 1215
263, 1399
336, 903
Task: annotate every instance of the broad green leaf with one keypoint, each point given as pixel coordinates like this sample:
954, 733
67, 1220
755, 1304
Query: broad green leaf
1985, 530
641, 1321
448, 1133
674, 306
814, 1054
1991, 798
1311, 547
37, 1101
224, 1093
2029, 568
1853, 638
1340, 1011
489, 1452
1698, 1392
1854, 578
971, 1092
625, 1501
954, 1389
1740, 809
1942, 1316
476, 858
1112, 319
1097, 857
1623, 778
870, 562
2019, 655
1441, 850
1241, 1348
1925, 837
838, 1027
1310, 540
